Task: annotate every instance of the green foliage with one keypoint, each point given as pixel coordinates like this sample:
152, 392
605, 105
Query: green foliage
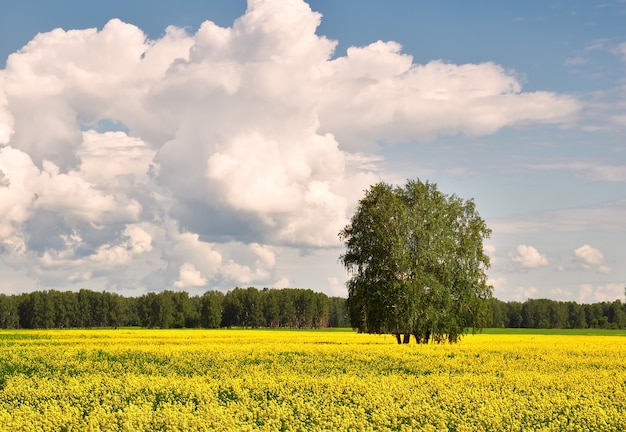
280, 309
240, 307
417, 263
211, 313
288, 307
553, 314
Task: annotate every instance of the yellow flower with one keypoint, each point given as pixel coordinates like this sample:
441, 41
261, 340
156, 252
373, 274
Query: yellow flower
200, 380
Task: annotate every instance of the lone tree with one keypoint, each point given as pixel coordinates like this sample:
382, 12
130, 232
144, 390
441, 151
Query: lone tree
417, 264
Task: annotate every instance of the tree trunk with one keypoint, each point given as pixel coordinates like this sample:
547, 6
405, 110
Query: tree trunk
397, 335
407, 338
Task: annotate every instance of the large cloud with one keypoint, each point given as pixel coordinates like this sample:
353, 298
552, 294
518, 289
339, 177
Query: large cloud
377, 92
192, 159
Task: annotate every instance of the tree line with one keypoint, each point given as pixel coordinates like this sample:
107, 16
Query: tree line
269, 308
240, 307
545, 313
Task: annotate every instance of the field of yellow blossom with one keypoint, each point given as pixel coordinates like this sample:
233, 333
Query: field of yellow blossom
188, 380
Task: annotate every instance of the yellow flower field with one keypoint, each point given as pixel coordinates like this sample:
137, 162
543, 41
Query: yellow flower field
136, 380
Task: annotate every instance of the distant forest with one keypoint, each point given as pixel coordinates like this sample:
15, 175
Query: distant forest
545, 313
240, 307
254, 308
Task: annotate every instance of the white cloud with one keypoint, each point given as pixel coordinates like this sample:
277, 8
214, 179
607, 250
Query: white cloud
420, 101
6, 118
336, 288
283, 282
114, 161
139, 240
591, 257
188, 248
561, 294
227, 264
74, 197
236, 141
523, 293
18, 189
189, 277
498, 283
529, 257
74, 259
589, 293
265, 254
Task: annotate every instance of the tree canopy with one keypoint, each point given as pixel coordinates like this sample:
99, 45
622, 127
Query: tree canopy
239, 307
416, 263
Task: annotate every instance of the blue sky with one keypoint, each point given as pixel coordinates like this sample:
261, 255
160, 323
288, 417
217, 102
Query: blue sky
137, 158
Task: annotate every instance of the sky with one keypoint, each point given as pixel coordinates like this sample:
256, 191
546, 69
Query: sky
205, 145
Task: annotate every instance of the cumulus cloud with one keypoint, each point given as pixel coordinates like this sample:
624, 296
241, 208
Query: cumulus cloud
589, 293
336, 288
498, 283
189, 277
283, 282
525, 293
393, 98
591, 258
184, 161
17, 193
528, 257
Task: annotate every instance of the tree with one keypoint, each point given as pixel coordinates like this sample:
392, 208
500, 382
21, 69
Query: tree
576, 314
536, 313
9, 317
417, 264
498, 313
338, 316
211, 312
232, 309
287, 307
514, 314
271, 307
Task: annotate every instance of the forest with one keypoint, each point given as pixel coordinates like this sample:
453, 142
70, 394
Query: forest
267, 308
546, 313
240, 307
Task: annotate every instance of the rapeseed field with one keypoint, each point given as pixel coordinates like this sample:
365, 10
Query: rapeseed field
205, 380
